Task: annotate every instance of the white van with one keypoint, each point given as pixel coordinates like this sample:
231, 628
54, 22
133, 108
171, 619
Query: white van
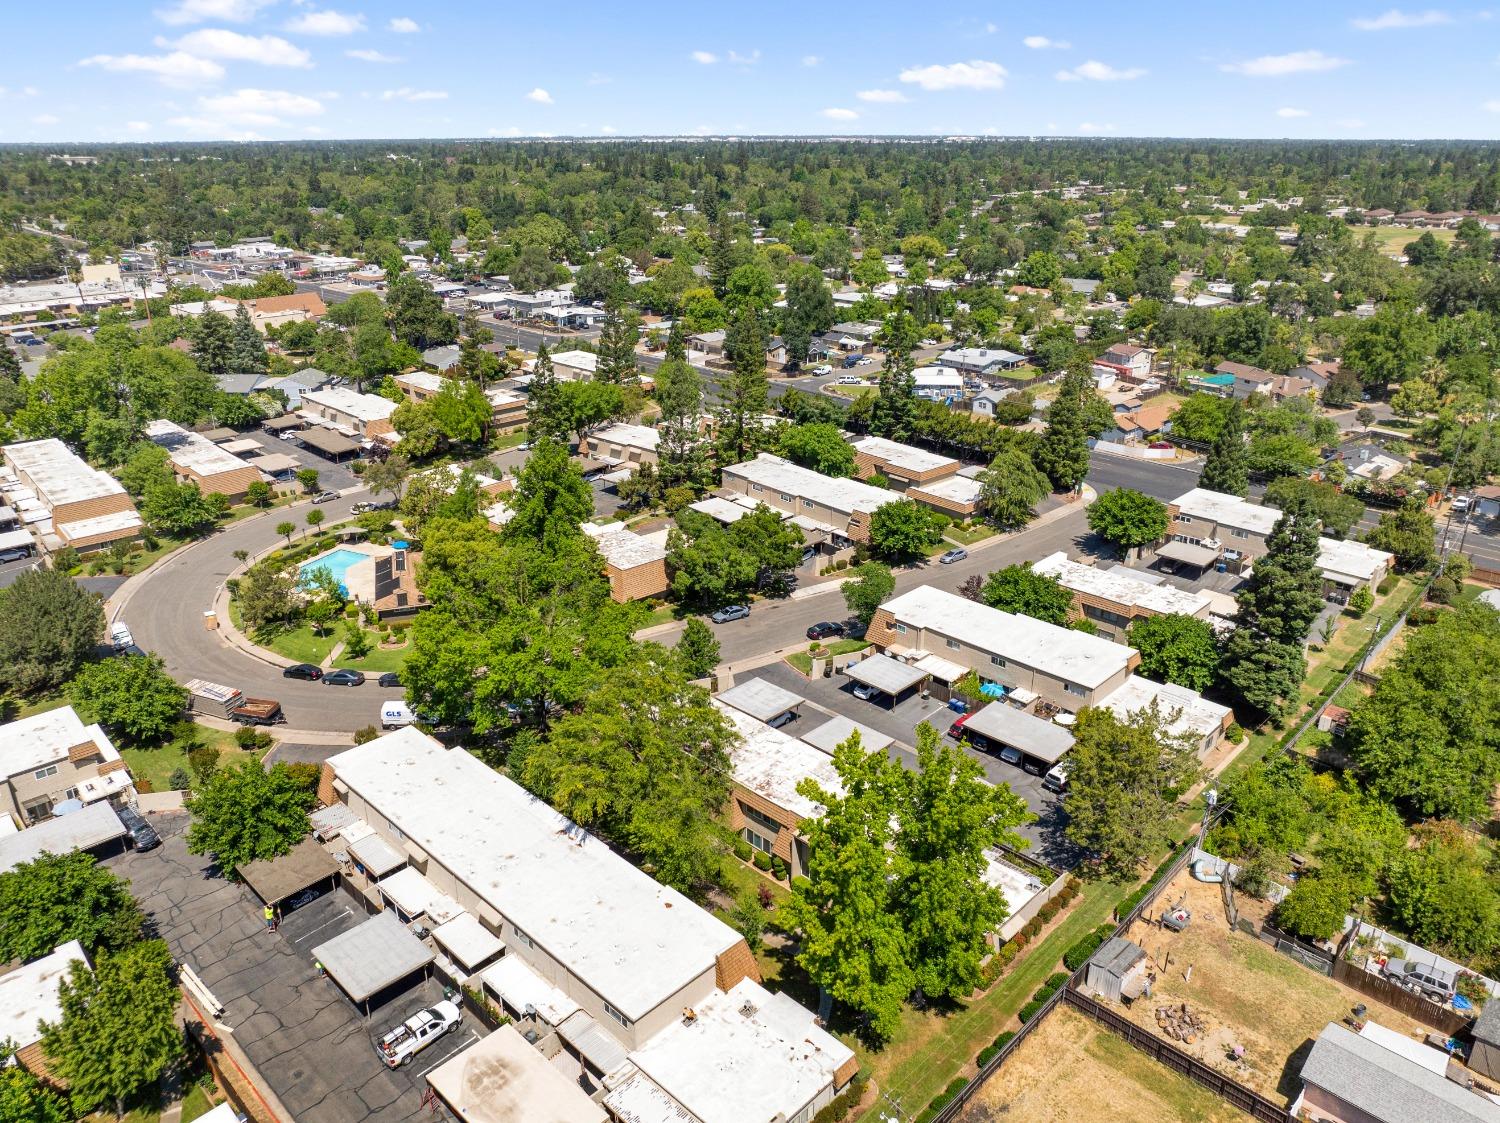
1056, 779
396, 715
120, 638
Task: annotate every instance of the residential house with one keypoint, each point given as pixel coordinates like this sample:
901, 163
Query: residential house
29, 996
196, 459
1318, 372
1084, 286
507, 408
366, 416
63, 500
276, 311
529, 305
1487, 501
622, 444
902, 465
777, 355
937, 384
983, 403
1371, 461
298, 383
1133, 362
821, 505
1144, 424
1113, 599
573, 317
442, 359
958, 496
711, 343
575, 366
981, 362
1284, 386
636, 564
1377, 1075
53, 756
1247, 379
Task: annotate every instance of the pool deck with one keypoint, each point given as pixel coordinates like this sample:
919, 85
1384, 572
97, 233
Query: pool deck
359, 578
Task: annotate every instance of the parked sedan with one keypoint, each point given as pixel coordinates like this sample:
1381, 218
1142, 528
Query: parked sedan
390, 679
957, 554
956, 730
730, 612
325, 497
344, 678
825, 630
304, 671
142, 834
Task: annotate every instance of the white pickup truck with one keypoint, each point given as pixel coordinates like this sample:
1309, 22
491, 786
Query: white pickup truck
420, 1030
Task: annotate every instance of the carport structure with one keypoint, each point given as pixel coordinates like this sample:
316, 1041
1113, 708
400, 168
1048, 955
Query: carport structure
94, 827
836, 730
327, 444
376, 955
1200, 557
891, 677
1007, 727
306, 866
282, 424
764, 701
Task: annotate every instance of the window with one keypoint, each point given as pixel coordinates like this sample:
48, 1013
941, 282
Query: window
757, 840
523, 937
954, 645
1073, 688
1184, 519
756, 487
616, 1015
900, 629
785, 498
806, 502
758, 817
997, 660
1239, 534
43, 773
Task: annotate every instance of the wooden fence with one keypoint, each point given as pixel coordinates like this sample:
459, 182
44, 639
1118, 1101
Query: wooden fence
1163, 1051
1485, 576
1397, 997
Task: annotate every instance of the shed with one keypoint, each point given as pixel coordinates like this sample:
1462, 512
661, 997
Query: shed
762, 700
835, 731
377, 954
503, 1077
887, 675
1485, 1055
306, 866
1007, 727
327, 444
1117, 970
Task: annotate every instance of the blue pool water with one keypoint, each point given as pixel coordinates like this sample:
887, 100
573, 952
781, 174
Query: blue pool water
337, 563
1219, 379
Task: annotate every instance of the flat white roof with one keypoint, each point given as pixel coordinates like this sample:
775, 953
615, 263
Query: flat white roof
28, 994
625, 549
414, 895
1121, 587
786, 478
954, 489
725, 510
422, 380
119, 521
28, 743
1006, 725
745, 1055
371, 956
1061, 652
632, 436
578, 360
772, 764
364, 407
1345, 558
904, 456
760, 699
837, 729
1196, 714
522, 987
59, 476
503, 1078
467, 940
192, 451
937, 376
1228, 510
634, 941
95, 825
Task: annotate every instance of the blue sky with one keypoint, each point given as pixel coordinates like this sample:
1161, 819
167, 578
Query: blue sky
278, 69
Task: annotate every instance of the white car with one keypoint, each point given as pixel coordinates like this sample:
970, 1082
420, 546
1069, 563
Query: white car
929, 343
822, 368
420, 1030
851, 380
865, 362
290, 435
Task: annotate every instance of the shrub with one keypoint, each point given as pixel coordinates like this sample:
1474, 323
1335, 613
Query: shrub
1421, 615
1033, 926
800, 883
204, 761
1236, 732
778, 868
305, 773
1362, 601
1029, 1011
943, 1099
1056, 980
366, 735
1443, 591
1386, 585
986, 1055
841, 1105
762, 861
743, 850
179, 781
1019, 941
1049, 910
244, 737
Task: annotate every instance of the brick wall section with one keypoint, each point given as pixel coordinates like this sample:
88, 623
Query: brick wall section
735, 964
639, 582
326, 795
377, 427
845, 1073
947, 506
88, 541
91, 508
866, 465
882, 632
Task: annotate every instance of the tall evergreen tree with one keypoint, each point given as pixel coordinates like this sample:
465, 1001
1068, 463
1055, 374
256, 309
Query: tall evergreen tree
213, 342
894, 410
248, 353
721, 257
809, 310
1226, 469
1063, 451
543, 408
617, 339
682, 456
744, 393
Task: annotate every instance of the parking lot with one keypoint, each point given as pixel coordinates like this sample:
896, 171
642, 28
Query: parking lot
835, 695
308, 1041
331, 476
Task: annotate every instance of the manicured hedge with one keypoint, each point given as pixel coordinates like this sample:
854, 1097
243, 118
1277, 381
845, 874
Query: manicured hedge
942, 1100
1077, 955
842, 1104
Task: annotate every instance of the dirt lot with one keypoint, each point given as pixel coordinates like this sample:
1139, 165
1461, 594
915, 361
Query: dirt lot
1249, 994
1073, 1070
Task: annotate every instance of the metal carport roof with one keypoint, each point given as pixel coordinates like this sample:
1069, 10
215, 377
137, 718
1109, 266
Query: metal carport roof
885, 674
367, 959
285, 421
1200, 556
1007, 725
276, 879
95, 825
377, 855
835, 731
762, 700
329, 444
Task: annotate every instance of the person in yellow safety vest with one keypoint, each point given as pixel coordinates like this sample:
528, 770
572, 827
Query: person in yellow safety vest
270, 919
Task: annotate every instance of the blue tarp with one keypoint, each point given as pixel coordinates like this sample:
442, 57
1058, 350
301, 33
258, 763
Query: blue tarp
992, 690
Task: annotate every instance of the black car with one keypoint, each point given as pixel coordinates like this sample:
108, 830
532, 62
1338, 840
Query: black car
390, 678
142, 834
303, 670
344, 678
729, 612
825, 630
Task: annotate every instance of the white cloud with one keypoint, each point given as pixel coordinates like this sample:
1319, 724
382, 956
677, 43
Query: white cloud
976, 74
327, 22
540, 96
1042, 43
1090, 127
707, 58
599, 79
1493, 105
26, 91
882, 96
810, 60
1096, 71
258, 107
216, 129
737, 59
836, 114
1289, 112
137, 126
201, 11
177, 69
406, 93
402, 25
45, 119
1396, 19
1277, 66
369, 54
608, 130
218, 42
509, 130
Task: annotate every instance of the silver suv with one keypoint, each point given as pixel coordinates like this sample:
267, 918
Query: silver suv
1422, 978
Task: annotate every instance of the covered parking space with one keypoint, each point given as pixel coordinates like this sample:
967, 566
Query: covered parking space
836, 730
327, 444
93, 828
470, 945
887, 676
17, 540
1188, 553
370, 960
1037, 744
286, 422
942, 674
290, 881
764, 701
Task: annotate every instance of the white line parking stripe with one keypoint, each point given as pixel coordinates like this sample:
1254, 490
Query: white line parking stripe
325, 924
473, 1037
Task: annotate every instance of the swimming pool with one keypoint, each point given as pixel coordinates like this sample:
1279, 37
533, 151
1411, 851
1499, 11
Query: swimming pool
1218, 379
337, 562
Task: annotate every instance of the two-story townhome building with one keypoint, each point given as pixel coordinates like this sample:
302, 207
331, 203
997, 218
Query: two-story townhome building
53, 756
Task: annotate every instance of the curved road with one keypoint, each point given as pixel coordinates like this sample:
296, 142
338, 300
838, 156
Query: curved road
164, 611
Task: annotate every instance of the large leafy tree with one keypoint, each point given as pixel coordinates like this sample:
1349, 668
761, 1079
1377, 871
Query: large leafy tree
872, 586
25, 1099
132, 694
1409, 533
247, 812
1063, 451
819, 446
682, 453
1227, 466
1337, 511
1021, 589
1011, 487
809, 310
712, 564
1128, 518
60, 897
48, 627
118, 1031
645, 760
1443, 893
904, 529
179, 508
1177, 648
416, 314
1122, 790
697, 650
551, 498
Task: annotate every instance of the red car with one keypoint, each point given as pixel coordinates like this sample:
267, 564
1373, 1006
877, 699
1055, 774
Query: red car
956, 730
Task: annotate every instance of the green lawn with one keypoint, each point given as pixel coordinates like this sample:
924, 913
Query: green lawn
509, 440
803, 661
1394, 239
663, 614
301, 644
17, 709
196, 1103
379, 661
976, 533
153, 766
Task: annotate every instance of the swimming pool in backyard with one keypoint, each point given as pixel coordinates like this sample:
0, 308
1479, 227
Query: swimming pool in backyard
338, 562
